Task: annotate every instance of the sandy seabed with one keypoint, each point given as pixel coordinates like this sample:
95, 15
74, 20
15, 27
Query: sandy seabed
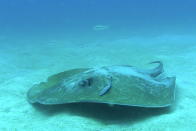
28, 62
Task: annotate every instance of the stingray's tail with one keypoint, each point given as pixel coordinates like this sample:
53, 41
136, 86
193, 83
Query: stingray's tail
158, 70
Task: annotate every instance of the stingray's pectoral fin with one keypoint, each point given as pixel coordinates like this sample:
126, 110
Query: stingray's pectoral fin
107, 87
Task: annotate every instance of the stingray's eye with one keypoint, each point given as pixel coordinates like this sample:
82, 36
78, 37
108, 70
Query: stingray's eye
86, 82
83, 83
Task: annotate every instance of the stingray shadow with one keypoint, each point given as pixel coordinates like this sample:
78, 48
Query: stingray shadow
104, 113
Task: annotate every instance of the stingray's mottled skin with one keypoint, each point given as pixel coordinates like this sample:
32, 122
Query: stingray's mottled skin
122, 85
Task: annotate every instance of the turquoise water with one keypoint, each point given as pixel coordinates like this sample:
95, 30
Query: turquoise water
39, 38
74, 18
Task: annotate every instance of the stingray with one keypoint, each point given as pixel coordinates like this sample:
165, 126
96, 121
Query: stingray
118, 84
